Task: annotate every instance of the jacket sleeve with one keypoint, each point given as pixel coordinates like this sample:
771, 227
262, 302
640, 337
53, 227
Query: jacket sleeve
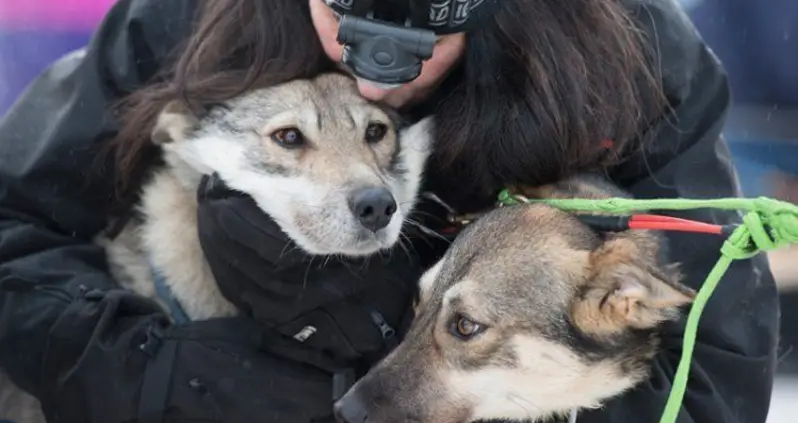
53, 199
735, 353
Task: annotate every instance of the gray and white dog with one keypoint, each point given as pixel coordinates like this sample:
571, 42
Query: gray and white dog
333, 170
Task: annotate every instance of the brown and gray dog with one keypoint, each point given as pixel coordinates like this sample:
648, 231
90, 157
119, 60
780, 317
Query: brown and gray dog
334, 171
530, 315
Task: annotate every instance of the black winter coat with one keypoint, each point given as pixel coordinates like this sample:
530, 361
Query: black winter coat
77, 343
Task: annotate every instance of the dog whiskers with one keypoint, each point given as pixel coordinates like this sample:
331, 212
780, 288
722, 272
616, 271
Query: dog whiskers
287, 250
307, 272
425, 229
427, 214
401, 244
514, 398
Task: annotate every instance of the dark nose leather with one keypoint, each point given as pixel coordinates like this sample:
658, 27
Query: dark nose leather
373, 207
350, 409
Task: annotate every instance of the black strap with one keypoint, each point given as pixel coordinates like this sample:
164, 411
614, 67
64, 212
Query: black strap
342, 381
362, 7
157, 379
419, 12
356, 7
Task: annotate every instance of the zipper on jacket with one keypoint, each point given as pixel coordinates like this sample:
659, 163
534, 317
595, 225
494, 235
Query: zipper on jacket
386, 330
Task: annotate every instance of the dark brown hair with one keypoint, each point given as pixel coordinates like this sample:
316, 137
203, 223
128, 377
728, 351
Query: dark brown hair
539, 89
236, 45
539, 95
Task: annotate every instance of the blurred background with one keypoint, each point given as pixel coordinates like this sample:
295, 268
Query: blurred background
756, 39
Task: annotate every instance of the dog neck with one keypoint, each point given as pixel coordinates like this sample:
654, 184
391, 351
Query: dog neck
170, 238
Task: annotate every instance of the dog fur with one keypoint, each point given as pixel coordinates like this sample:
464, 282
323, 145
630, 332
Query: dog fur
305, 188
530, 314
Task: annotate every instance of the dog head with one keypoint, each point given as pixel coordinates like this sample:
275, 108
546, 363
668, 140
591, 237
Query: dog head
336, 172
528, 315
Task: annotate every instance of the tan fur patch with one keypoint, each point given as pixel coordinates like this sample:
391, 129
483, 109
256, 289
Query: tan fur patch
173, 124
623, 290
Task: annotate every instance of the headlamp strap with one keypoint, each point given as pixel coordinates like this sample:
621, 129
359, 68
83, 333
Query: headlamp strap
440, 16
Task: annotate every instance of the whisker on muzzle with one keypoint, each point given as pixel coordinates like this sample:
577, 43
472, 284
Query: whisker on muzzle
425, 229
514, 398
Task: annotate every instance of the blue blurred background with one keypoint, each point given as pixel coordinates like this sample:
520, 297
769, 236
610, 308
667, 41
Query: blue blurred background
758, 43
33, 33
756, 39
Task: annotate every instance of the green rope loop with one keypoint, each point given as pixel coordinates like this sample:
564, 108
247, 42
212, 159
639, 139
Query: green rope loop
767, 225
748, 240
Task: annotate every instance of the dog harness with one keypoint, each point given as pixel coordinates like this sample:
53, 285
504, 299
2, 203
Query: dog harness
176, 311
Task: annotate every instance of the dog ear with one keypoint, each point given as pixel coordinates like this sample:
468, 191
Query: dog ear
624, 290
174, 123
425, 284
419, 137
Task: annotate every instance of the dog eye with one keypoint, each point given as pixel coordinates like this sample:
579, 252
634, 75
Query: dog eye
376, 132
288, 138
465, 328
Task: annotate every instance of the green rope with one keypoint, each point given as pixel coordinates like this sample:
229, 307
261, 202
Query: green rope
768, 224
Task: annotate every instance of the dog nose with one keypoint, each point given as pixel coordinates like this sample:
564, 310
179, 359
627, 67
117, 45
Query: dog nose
350, 409
373, 207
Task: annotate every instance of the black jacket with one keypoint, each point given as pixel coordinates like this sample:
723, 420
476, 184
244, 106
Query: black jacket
75, 342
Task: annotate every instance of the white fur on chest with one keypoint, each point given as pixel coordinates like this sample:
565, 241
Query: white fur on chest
168, 240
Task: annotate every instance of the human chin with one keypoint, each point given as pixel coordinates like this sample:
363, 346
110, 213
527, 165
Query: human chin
362, 82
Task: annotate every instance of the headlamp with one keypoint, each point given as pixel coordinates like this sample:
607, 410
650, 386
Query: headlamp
387, 41
384, 52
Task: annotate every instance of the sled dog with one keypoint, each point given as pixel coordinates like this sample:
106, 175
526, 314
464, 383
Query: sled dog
529, 315
312, 153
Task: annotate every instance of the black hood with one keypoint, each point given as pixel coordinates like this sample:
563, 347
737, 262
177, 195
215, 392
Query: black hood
440, 16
